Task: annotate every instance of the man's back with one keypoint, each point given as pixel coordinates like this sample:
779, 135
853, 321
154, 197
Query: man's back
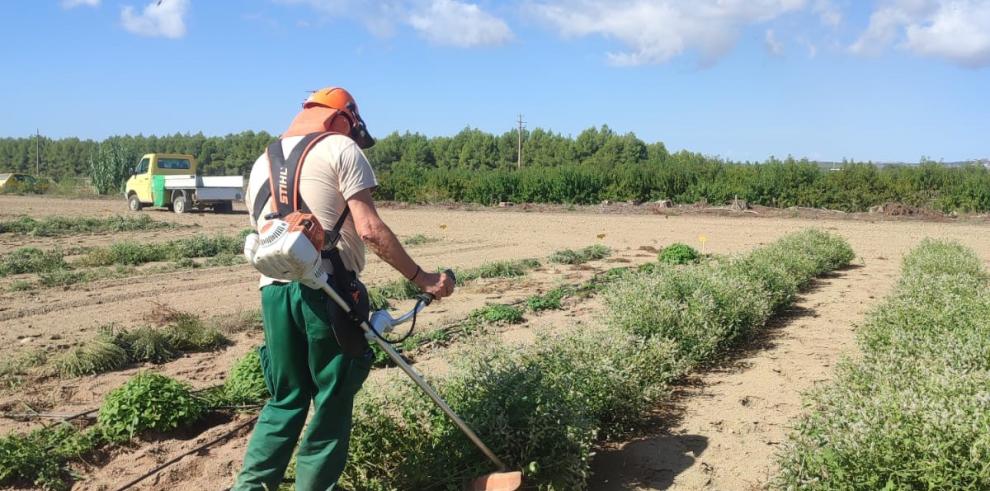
334, 170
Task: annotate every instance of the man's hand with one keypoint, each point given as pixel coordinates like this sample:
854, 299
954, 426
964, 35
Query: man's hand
439, 285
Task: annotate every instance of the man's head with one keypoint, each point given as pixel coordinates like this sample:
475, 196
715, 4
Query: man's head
346, 120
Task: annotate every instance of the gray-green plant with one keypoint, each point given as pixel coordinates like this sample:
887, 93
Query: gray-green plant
419, 239
571, 256
911, 411
57, 226
31, 260
98, 355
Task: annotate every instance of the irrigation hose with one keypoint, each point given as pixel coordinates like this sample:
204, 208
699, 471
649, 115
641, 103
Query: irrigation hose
181, 456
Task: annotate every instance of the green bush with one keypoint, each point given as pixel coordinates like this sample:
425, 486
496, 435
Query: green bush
31, 260
911, 412
401, 441
703, 309
497, 314
550, 300
678, 254
377, 299
245, 383
148, 402
618, 377
26, 460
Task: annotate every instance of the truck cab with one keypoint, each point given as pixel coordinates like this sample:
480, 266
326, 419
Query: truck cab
169, 180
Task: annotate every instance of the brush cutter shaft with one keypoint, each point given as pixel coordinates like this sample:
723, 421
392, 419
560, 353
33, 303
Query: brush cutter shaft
420, 381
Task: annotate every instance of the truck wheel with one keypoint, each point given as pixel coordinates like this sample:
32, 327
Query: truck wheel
223, 207
133, 203
180, 203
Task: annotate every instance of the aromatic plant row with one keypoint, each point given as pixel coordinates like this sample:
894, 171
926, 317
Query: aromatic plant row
913, 412
55, 226
543, 407
118, 260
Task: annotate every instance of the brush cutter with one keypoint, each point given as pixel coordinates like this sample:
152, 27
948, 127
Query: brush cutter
285, 251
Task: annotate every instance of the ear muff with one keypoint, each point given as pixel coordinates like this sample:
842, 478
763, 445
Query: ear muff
338, 123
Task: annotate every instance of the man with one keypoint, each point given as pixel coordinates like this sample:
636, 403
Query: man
312, 352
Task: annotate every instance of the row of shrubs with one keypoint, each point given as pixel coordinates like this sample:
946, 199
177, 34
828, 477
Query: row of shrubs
542, 408
913, 412
152, 402
690, 178
57, 226
118, 260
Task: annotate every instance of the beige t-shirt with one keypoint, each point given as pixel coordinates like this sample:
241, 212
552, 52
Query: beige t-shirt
334, 170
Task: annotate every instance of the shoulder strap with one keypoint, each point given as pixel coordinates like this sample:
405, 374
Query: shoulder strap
282, 187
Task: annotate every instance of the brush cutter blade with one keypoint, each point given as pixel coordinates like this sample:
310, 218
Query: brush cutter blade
498, 481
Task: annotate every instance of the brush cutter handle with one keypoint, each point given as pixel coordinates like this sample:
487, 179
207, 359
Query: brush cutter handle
428, 298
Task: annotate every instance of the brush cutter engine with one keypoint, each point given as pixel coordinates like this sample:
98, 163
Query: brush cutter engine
288, 249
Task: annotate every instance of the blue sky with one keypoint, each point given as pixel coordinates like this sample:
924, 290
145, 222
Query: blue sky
885, 80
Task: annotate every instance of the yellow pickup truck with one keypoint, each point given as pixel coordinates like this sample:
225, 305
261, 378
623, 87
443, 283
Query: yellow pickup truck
169, 180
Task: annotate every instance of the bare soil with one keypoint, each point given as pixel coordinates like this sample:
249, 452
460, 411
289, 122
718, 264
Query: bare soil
720, 432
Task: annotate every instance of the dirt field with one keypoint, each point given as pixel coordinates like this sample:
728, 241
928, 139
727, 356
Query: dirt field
720, 432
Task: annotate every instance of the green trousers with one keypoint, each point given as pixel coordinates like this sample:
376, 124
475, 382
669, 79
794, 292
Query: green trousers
302, 363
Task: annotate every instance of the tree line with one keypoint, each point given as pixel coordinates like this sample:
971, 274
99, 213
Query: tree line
598, 164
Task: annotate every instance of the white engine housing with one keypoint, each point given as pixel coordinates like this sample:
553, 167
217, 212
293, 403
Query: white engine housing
281, 254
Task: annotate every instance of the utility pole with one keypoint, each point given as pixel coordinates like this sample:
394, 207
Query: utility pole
519, 155
37, 153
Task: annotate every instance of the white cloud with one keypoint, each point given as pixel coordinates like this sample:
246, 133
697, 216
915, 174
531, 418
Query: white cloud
953, 30
657, 31
774, 47
461, 24
160, 18
68, 4
828, 12
445, 22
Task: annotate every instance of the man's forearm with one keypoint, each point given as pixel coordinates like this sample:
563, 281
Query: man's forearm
386, 245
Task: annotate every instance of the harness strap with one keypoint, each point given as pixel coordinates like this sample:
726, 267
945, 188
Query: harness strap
285, 196
283, 177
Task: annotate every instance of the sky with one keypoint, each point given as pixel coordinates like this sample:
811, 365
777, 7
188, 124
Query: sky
880, 80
